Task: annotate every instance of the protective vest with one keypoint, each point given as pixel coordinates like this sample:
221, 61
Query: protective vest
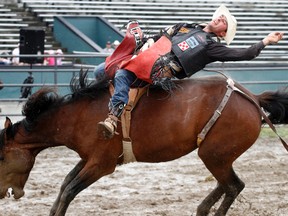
189, 47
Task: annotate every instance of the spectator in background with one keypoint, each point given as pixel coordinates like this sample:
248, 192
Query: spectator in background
50, 60
116, 44
59, 59
45, 62
4, 60
16, 59
108, 48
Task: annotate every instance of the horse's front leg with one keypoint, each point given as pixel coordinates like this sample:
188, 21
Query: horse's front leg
71, 175
90, 173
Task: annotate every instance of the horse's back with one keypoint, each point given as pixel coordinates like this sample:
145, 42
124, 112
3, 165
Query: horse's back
165, 127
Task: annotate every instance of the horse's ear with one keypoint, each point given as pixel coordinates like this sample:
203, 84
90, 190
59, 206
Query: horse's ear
7, 123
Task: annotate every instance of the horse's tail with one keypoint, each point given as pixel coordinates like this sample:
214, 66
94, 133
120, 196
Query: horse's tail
276, 105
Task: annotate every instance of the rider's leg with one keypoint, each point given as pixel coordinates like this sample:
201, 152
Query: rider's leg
122, 81
100, 74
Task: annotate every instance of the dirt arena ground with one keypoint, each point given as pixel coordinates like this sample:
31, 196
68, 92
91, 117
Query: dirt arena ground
163, 189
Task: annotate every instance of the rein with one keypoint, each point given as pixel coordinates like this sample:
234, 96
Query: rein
231, 85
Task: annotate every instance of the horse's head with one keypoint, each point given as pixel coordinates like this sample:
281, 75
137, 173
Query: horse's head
15, 163
21, 142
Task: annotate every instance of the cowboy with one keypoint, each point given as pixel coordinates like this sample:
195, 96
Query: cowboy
193, 46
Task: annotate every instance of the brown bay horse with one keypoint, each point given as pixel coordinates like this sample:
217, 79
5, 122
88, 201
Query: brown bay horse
163, 128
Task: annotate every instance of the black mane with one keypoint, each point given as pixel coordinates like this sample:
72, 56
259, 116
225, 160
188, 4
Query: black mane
80, 87
46, 99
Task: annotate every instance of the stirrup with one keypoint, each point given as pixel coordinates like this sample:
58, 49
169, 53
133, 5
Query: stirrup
108, 127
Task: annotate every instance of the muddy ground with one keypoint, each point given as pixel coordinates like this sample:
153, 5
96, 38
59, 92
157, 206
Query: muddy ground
163, 189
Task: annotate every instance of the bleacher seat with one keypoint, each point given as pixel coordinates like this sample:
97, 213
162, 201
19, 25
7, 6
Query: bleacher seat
255, 18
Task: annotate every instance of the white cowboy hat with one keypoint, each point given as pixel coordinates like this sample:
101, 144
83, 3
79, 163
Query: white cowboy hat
231, 21
116, 43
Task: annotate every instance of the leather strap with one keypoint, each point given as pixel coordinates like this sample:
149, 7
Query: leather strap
230, 88
128, 155
216, 115
134, 96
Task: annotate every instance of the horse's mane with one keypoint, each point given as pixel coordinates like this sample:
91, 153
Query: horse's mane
80, 87
47, 99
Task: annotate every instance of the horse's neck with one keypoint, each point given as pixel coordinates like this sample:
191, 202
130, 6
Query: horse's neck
41, 135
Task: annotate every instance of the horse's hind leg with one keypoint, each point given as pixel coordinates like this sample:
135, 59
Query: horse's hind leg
231, 192
210, 200
228, 184
72, 174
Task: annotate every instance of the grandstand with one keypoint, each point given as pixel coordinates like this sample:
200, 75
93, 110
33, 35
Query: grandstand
255, 19
13, 17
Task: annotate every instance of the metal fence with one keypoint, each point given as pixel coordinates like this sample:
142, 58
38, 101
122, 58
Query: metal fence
259, 78
56, 76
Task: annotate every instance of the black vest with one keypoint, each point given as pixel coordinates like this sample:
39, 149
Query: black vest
189, 47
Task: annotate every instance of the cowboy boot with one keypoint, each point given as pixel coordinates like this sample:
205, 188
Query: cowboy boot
108, 127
